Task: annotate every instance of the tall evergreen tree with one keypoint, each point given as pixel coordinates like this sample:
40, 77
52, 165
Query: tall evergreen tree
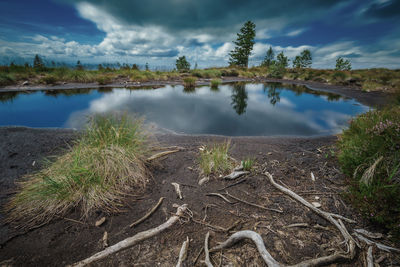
269, 58
239, 56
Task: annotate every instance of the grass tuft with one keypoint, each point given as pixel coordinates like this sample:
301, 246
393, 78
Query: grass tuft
95, 174
247, 164
215, 83
189, 82
214, 159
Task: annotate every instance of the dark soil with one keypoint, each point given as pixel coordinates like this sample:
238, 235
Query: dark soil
290, 160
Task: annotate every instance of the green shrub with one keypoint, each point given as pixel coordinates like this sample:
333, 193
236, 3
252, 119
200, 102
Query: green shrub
105, 164
370, 155
214, 159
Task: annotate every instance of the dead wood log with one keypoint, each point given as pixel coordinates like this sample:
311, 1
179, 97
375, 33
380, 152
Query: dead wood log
148, 214
183, 252
133, 240
207, 258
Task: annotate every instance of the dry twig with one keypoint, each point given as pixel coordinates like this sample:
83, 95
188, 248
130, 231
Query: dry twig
207, 258
252, 204
183, 252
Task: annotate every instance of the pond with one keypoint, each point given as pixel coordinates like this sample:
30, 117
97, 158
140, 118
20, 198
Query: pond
237, 109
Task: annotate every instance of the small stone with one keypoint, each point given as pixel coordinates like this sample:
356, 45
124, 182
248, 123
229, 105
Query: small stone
316, 204
317, 198
269, 153
100, 222
25, 83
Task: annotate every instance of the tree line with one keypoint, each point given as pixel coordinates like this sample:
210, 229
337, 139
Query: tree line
244, 43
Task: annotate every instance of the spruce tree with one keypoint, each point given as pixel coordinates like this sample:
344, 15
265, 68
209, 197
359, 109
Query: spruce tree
239, 56
269, 58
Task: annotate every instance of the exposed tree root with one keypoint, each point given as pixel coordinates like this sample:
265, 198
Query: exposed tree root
207, 258
183, 252
368, 234
270, 261
238, 182
130, 241
378, 245
177, 190
370, 258
253, 204
235, 174
221, 196
148, 214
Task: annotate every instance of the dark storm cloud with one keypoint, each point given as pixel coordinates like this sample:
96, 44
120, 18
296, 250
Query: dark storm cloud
186, 14
384, 10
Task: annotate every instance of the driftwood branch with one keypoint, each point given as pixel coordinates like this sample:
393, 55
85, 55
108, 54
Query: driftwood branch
162, 154
148, 214
207, 258
252, 204
183, 252
133, 240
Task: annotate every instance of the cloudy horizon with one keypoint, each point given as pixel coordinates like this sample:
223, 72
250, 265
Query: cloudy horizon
157, 32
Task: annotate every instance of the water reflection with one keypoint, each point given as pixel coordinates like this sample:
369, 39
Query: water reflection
239, 98
234, 109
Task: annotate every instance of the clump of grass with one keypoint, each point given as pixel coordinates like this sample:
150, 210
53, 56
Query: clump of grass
215, 83
214, 159
189, 82
104, 164
370, 156
6, 79
247, 164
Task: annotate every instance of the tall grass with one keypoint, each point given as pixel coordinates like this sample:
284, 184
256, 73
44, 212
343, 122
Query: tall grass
105, 164
189, 82
214, 159
215, 83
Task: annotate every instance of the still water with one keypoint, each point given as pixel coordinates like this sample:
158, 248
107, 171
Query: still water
234, 109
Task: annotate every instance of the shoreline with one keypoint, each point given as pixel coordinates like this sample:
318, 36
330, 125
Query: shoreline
372, 99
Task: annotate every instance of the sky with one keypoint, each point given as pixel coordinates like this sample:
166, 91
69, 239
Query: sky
366, 32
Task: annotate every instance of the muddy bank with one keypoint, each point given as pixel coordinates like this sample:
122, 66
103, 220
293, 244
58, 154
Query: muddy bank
289, 160
373, 99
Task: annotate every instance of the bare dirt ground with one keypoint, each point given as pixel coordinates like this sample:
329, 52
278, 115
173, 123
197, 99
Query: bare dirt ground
290, 160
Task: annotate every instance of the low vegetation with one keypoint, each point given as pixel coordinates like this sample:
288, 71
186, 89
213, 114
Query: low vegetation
214, 159
370, 155
189, 82
215, 83
104, 164
247, 164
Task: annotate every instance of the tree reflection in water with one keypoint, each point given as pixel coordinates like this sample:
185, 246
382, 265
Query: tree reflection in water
239, 98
